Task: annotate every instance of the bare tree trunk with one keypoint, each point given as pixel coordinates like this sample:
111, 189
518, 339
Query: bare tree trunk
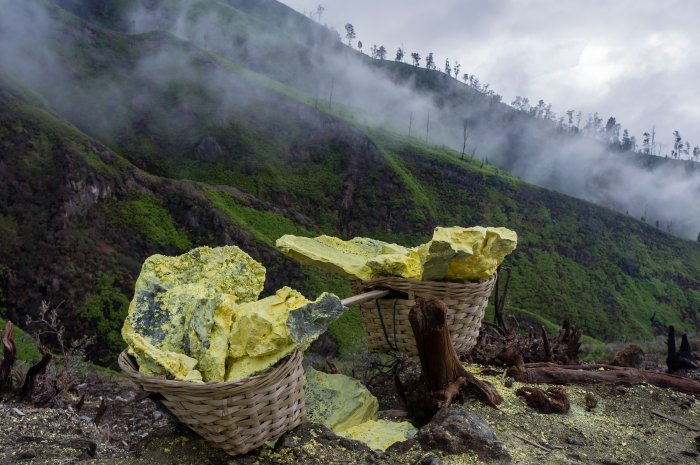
550, 373
9, 357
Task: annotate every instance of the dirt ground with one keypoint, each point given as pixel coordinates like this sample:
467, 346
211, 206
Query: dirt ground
621, 429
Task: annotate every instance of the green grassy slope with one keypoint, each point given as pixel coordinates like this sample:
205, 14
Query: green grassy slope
78, 220
189, 148
607, 272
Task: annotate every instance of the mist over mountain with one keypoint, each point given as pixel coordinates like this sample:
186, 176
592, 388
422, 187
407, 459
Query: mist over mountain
433, 105
137, 127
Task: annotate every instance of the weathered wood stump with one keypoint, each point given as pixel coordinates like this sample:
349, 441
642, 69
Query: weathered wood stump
443, 378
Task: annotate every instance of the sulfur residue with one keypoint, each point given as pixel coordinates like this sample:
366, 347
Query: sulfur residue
620, 429
455, 253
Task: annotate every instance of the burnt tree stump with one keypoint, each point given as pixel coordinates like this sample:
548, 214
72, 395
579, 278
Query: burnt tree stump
681, 358
443, 378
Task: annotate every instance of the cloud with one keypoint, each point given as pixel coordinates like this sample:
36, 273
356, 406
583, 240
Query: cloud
618, 58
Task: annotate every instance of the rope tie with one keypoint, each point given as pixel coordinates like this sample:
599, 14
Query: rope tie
392, 345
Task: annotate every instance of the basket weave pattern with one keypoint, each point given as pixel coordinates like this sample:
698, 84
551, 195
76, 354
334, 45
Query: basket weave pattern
236, 416
386, 321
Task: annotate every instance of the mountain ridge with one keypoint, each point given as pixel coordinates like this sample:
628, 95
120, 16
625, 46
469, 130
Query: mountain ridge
188, 148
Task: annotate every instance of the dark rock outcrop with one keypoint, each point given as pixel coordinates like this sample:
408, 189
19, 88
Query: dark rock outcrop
455, 430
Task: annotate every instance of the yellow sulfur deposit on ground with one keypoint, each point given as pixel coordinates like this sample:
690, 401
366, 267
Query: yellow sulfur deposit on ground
380, 434
337, 401
345, 406
196, 317
455, 253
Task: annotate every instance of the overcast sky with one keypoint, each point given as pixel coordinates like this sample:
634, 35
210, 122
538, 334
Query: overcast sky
633, 59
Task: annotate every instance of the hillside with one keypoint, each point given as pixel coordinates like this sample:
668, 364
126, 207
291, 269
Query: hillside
150, 143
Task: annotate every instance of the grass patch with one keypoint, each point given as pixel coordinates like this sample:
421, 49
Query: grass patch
145, 214
103, 312
265, 226
27, 350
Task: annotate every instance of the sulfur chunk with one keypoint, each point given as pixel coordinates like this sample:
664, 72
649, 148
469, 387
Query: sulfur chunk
359, 257
456, 253
380, 434
153, 361
345, 406
476, 252
337, 401
265, 331
182, 310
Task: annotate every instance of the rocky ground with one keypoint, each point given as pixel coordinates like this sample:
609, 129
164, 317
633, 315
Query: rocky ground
605, 425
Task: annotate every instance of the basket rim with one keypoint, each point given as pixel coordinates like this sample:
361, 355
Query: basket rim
424, 282
130, 369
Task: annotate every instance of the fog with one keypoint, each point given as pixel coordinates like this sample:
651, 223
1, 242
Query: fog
310, 58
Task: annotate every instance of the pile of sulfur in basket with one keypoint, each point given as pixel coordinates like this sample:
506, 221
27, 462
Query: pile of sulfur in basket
453, 254
197, 317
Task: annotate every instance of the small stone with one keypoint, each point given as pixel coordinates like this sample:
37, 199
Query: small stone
621, 390
27, 455
430, 460
508, 382
591, 401
629, 356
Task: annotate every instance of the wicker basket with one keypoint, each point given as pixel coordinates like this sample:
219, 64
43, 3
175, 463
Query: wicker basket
236, 416
386, 321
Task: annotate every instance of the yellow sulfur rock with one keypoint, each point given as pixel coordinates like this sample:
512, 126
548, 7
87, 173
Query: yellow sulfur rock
360, 257
380, 434
265, 331
470, 254
456, 253
182, 310
337, 401
153, 361
345, 406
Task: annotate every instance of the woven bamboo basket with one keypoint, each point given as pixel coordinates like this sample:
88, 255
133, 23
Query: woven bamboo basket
386, 321
236, 416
